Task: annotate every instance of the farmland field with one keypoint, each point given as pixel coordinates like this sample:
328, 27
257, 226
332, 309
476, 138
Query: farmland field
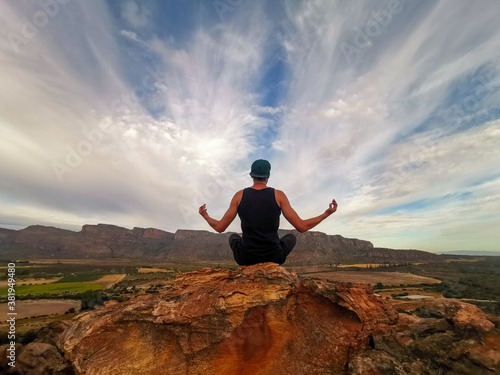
83, 277
386, 278
361, 265
152, 270
3, 283
302, 270
53, 288
29, 308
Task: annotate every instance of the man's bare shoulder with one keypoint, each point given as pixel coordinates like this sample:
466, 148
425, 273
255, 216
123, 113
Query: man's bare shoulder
280, 197
237, 197
279, 193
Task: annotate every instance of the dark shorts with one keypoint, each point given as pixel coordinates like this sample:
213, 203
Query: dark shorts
244, 258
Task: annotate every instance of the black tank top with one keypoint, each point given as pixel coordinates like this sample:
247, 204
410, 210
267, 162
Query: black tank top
260, 220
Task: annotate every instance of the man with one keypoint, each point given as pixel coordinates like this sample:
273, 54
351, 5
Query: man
259, 208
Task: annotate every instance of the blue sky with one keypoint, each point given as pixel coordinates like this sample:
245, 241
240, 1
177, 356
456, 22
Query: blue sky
135, 113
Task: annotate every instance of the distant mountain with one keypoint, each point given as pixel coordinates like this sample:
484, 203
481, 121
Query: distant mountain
471, 253
110, 241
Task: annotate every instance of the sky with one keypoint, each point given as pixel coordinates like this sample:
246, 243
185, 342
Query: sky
135, 113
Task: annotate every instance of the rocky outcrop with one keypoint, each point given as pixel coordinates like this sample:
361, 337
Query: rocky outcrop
36, 238
317, 247
263, 319
121, 242
92, 241
5, 233
461, 341
36, 358
392, 255
111, 241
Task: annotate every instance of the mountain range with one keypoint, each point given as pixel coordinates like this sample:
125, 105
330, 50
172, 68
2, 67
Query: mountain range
110, 241
474, 253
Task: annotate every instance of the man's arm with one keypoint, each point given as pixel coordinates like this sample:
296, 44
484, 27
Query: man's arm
293, 217
222, 224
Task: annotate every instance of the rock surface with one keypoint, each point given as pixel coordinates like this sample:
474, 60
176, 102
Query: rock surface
36, 358
263, 319
92, 241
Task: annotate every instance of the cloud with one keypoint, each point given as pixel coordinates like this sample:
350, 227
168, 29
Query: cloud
415, 170
269, 110
346, 122
141, 170
130, 35
463, 220
150, 130
137, 16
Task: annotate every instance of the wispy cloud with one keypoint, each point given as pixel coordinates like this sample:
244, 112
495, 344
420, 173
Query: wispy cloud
378, 104
135, 14
350, 125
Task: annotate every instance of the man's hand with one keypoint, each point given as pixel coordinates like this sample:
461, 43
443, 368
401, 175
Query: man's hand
222, 224
332, 208
203, 210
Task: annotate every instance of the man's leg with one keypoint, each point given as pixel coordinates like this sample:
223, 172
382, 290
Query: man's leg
234, 241
287, 243
240, 256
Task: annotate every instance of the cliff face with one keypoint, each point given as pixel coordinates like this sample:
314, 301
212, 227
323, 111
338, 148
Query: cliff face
100, 240
263, 319
114, 241
185, 245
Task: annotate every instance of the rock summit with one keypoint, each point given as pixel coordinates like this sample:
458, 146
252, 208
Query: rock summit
264, 319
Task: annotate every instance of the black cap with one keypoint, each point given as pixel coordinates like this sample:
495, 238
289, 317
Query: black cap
260, 169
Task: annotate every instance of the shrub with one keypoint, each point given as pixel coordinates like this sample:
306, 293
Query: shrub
28, 337
425, 312
4, 338
92, 298
395, 296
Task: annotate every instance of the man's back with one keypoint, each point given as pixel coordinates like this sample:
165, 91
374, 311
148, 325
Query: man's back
260, 218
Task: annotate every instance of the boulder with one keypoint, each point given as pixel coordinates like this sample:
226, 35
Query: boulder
263, 319
36, 358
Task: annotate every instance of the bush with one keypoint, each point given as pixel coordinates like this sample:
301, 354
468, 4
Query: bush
395, 296
4, 338
425, 312
92, 298
28, 337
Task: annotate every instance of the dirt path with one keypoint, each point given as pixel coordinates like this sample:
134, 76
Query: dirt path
108, 281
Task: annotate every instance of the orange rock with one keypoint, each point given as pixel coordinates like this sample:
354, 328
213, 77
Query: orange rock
263, 319
259, 319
